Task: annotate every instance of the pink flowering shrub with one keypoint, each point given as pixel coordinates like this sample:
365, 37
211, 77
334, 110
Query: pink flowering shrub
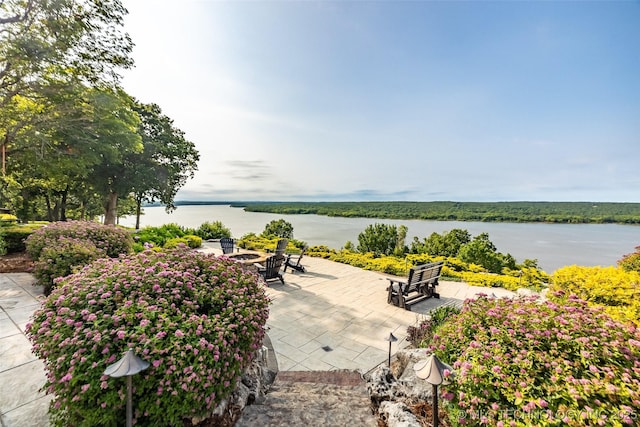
195, 318
526, 362
61, 248
112, 240
65, 257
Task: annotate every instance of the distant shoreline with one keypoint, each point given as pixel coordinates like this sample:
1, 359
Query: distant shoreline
515, 212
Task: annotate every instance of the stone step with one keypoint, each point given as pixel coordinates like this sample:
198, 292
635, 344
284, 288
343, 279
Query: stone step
313, 398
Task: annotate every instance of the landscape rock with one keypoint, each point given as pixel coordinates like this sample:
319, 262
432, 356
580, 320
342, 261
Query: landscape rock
392, 390
408, 386
380, 383
397, 414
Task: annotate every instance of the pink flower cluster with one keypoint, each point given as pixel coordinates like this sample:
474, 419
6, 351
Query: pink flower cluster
195, 318
526, 362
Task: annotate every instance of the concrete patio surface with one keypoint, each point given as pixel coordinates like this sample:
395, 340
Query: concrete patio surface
331, 317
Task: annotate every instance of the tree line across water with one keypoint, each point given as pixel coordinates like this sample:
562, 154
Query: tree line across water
550, 212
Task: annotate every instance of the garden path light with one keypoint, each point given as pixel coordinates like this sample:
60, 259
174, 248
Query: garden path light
435, 373
127, 366
391, 338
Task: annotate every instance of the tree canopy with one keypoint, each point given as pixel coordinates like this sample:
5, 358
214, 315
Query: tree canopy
71, 139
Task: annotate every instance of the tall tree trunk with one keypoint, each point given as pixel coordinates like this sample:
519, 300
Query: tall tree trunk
111, 209
26, 212
47, 200
138, 211
63, 204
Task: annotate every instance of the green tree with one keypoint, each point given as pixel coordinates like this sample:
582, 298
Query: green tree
47, 45
446, 244
165, 163
483, 252
50, 52
118, 139
75, 39
213, 230
85, 150
382, 239
278, 228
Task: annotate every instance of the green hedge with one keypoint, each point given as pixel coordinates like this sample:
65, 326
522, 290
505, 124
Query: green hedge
16, 235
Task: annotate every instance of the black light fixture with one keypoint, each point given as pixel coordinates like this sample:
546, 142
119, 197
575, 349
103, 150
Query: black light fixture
391, 338
433, 371
127, 366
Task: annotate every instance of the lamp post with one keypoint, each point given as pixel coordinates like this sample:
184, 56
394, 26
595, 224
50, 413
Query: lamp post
391, 338
433, 371
128, 365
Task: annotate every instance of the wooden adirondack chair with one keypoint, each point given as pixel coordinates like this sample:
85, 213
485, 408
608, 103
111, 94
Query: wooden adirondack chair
226, 243
271, 269
281, 247
293, 261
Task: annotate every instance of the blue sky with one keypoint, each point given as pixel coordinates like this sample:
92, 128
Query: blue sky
397, 100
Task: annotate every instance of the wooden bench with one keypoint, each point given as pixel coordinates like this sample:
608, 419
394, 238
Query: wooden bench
420, 285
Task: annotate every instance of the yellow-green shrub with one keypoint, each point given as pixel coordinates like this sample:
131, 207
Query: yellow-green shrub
491, 280
254, 242
453, 269
189, 240
6, 219
616, 290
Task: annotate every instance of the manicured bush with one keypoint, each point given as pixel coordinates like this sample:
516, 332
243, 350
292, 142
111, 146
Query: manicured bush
160, 235
60, 248
65, 257
383, 239
369, 261
112, 240
268, 244
525, 362
189, 240
195, 318
6, 219
15, 236
212, 230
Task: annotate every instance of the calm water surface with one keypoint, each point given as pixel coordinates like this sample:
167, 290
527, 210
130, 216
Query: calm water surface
553, 245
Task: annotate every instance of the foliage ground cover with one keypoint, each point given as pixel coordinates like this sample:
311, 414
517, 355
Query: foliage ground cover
454, 268
195, 318
255, 242
613, 288
524, 362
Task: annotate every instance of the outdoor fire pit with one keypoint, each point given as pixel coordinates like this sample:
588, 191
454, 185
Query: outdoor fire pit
248, 259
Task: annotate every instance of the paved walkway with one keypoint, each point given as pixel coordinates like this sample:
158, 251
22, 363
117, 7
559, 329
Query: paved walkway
332, 317
21, 373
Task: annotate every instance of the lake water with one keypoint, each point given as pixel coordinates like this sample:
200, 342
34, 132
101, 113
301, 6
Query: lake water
553, 245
